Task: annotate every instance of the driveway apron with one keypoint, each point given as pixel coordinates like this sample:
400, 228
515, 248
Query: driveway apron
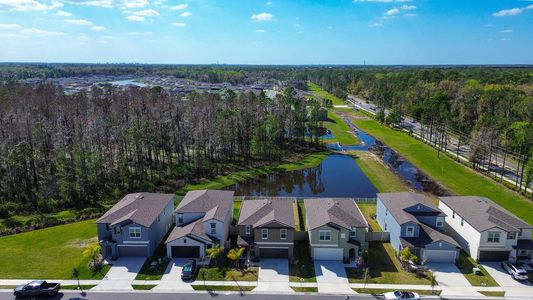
121, 274
171, 280
452, 281
331, 277
512, 288
273, 276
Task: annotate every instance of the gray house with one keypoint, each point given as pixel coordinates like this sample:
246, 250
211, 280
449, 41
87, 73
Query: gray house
266, 228
136, 225
336, 229
203, 218
414, 221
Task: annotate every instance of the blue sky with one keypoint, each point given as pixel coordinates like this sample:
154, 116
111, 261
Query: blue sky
268, 32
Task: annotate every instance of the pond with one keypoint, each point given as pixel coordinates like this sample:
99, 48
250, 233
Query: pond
337, 176
127, 82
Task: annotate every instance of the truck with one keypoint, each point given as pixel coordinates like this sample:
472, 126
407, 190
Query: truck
37, 288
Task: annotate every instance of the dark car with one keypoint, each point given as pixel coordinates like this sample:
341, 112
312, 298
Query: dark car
37, 288
188, 270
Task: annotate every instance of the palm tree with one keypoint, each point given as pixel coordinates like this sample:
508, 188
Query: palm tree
432, 280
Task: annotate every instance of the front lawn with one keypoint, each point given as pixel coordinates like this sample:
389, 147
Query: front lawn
201, 287
466, 264
83, 287
49, 253
303, 268
383, 291
159, 256
143, 287
304, 289
384, 268
227, 274
492, 294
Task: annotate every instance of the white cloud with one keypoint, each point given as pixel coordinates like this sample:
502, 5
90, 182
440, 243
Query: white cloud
410, 15
95, 3
135, 18
146, 13
186, 14
40, 32
79, 22
506, 31
262, 17
269, 3
98, 28
107, 37
512, 11
408, 7
139, 33
63, 13
83, 38
260, 30
379, 24
505, 39
134, 3
179, 24
179, 7
29, 5
10, 26
392, 12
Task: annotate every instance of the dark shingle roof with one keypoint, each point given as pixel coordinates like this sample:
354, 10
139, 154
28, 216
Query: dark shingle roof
396, 203
258, 213
428, 235
194, 230
482, 214
215, 203
140, 208
340, 212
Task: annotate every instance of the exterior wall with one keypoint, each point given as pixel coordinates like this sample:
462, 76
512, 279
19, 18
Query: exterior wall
339, 239
503, 244
185, 241
431, 220
189, 217
403, 230
220, 229
273, 235
467, 236
242, 230
161, 226
392, 226
102, 232
526, 234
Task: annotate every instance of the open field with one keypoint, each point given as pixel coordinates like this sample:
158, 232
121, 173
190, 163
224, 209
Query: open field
452, 175
382, 177
341, 131
324, 95
49, 253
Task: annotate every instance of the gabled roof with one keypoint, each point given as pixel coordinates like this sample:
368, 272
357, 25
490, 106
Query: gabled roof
194, 230
482, 214
216, 204
398, 203
337, 212
140, 208
428, 235
263, 213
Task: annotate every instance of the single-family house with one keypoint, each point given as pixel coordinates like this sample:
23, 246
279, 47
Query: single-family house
336, 229
203, 218
487, 231
266, 228
414, 221
136, 225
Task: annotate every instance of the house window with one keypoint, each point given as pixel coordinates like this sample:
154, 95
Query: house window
213, 228
107, 227
283, 234
410, 231
324, 235
264, 234
386, 212
493, 237
135, 232
247, 229
440, 223
453, 215
385, 226
343, 235
180, 218
511, 235
353, 233
462, 222
158, 219
520, 232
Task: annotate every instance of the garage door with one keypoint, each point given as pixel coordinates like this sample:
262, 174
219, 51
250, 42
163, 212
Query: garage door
327, 254
493, 255
274, 252
185, 251
439, 256
139, 251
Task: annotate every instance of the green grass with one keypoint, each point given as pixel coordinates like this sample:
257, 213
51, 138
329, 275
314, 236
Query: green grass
160, 254
49, 253
457, 178
492, 294
84, 287
303, 268
341, 131
301, 215
143, 287
466, 264
7, 287
384, 268
383, 291
201, 287
227, 274
308, 161
369, 211
296, 217
303, 289
382, 177
236, 211
324, 95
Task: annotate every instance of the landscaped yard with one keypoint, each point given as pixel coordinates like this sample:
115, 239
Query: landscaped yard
466, 264
159, 256
383, 291
227, 274
492, 294
384, 268
303, 269
82, 287
201, 287
49, 253
143, 287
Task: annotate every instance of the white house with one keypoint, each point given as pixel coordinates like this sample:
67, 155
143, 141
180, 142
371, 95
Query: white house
486, 231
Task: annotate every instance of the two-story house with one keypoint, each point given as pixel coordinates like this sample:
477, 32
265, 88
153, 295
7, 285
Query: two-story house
487, 231
414, 221
266, 228
136, 225
203, 218
336, 229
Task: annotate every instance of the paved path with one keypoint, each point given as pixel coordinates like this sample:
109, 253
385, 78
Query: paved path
331, 277
121, 274
511, 287
273, 276
171, 280
452, 281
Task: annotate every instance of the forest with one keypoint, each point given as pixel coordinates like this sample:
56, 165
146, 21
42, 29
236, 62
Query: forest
61, 151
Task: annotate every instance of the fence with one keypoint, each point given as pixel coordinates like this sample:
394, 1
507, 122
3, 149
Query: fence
300, 199
377, 237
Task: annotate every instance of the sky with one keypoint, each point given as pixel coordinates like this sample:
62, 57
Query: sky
378, 32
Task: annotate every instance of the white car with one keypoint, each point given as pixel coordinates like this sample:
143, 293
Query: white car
397, 295
518, 273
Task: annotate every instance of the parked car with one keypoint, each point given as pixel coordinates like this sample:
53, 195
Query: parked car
188, 270
37, 288
518, 273
396, 295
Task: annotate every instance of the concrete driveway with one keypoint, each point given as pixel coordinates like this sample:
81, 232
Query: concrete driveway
331, 277
171, 280
452, 281
273, 276
512, 288
121, 274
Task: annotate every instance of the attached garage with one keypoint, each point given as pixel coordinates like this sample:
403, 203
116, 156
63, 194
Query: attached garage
273, 252
493, 255
327, 253
137, 251
439, 256
185, 251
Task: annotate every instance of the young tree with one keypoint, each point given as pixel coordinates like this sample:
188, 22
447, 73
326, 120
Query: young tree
432, 280
235, 255
214, 253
